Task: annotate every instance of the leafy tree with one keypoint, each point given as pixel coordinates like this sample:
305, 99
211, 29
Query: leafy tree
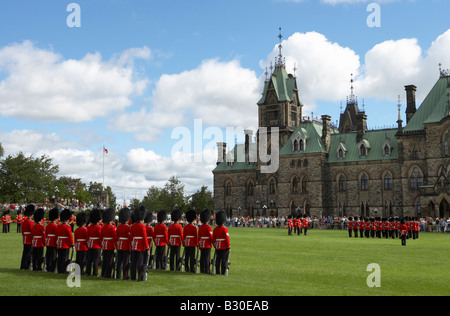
202, 199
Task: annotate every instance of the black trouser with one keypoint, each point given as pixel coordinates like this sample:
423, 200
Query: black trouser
306, 229
107, 263
349, 233
5, 228
19, 228
38, 256
174, 257
361, 233
403, 238
160, 253
92, 261
189, 259
26, 257
221, 261
81, 260
205, 258
137, 265
50, 259
63, 260
123, 258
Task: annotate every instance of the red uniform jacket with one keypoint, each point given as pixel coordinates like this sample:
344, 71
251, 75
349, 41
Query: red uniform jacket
50, 234
94, 234
190, 236
205, 236
175, 234
81, 239
350, 225
108, 233
221, 238
138, 235
149, 234
290, 224
305, 222
123, 237
38, 234
64, 236
26, 231
19, 219
403, 229
161, 236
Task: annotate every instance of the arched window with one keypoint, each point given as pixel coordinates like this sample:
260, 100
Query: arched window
250, 189
363, 150
415, 179
295, 145
272, 186
387, 150
342, 183
304, 184
415, 153
387, 181
228, 188
302, 145
364, 182
295, 184
340, 153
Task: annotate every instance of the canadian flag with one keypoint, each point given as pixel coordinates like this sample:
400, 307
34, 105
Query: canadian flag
105, 150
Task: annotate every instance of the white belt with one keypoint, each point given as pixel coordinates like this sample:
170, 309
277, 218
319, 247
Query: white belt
190, 236
62, 237
138, 237
94, 238
123, 238
107, 238
81, 240
27, 233
160, 235
204, 237
173, 236
220, 239
37, 237
51, 235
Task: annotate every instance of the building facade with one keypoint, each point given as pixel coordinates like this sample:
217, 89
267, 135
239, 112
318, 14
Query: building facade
345, 170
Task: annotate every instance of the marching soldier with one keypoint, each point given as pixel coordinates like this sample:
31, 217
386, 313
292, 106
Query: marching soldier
175, 233
350, 226
355, 226
19, 220
139, 245
38, 243
94, 242
205, 240
362, 227
123, 243
50, 240
367, 227
64, 241
305, 223
222, 245
190, 241
26, 236
161, 238
403, 231
290, 225
108, 234
81, 238
148, 225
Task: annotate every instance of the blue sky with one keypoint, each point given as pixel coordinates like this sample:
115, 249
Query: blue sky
136, 70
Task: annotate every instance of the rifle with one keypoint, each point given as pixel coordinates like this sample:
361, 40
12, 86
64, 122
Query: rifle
228, 263
213, 263
147, 263
166, 258
114, 269
197, 262
180, 261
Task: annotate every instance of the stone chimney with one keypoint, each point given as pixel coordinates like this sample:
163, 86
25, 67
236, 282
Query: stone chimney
361, 126
410, 102
221, 152
326, 131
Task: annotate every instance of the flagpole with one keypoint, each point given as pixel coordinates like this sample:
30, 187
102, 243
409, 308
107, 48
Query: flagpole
103, 166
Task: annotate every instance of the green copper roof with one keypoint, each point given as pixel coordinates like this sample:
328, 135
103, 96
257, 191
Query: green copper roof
239, 160
433, 109
283, 84
311, 133
373, 140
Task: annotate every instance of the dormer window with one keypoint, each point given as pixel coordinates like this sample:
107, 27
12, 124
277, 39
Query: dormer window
387, 150
299, 143
341, 151
362, 150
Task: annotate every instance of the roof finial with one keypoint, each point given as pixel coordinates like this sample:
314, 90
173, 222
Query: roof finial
295, 70
399, 108
280, 62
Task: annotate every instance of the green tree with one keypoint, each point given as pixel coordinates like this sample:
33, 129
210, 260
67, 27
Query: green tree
202, 199
27, 178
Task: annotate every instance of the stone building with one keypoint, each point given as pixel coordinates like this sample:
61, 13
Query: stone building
345, 170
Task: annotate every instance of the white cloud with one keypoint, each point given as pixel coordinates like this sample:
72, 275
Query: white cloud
41, 85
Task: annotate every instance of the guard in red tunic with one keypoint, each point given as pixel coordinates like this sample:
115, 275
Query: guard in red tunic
5, 221
350, 226
190, 241
50, 240
305, 224
362, 226
367, 227
290, 225
148, 226
38, 243
139, 244
161, 239
26, 237
205, 241
81, 238
64, 241
108, 233
94, 242
19, 219
222, 245
403, 228
123, 243
175, 233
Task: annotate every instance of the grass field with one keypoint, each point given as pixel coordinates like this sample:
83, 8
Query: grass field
268, 262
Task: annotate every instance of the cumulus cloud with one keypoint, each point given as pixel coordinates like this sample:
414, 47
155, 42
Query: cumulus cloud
41, 85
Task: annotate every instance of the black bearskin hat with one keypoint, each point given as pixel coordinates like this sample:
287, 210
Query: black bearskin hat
176, 215
53, 214
95, 216
148, 217
221, 217
81, 219
29, 210
161, 217
403, 221
139, 213
108, 215
350, 218
205, 216
191, 216
124, 215
305, 216
65, 215
39, 215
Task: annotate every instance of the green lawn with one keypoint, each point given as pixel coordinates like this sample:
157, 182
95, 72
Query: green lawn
267, 262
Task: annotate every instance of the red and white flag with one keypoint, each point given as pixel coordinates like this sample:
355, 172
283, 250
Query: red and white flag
105, 150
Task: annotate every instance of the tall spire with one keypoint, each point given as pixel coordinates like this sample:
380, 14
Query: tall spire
352, 98
279, 61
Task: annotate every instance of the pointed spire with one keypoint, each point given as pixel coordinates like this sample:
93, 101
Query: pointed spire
352, 98
280, 61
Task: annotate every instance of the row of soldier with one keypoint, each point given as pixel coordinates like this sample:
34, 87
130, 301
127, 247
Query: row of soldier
297, 224
393, 227
125, 251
